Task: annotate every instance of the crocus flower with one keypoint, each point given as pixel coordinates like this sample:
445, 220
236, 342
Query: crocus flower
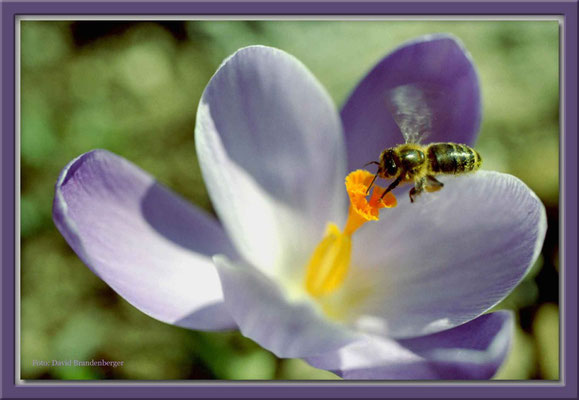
298, 262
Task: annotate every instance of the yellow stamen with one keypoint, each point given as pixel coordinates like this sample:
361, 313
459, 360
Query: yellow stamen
329, 264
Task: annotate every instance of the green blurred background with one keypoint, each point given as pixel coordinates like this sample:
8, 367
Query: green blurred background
133, 88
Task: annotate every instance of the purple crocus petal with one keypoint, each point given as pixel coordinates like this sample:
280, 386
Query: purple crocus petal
474, 350
432, 76
451, 255
149, 245
261, 124
288, 327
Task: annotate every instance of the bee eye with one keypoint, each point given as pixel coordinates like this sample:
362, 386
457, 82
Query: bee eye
391, 167
389, 163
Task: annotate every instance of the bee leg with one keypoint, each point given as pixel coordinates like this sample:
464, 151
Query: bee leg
417, 189
433, 184
371, 183
392, 186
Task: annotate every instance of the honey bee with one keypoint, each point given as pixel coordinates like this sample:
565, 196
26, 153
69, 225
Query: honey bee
413, 162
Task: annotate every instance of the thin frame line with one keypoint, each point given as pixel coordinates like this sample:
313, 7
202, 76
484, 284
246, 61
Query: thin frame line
297, 18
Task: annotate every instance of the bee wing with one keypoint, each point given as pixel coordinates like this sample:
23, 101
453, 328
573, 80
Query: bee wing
410, 111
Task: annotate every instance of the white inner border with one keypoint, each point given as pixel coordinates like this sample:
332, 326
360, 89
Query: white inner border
17, 299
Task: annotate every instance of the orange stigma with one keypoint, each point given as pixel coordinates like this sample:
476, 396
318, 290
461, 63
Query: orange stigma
363, 209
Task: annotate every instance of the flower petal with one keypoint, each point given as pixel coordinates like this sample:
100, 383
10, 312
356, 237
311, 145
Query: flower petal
433, 76
450, 256
148, 244
287, 327
261, 124
474, 350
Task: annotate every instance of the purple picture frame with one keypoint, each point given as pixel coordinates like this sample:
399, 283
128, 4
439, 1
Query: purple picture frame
565, 388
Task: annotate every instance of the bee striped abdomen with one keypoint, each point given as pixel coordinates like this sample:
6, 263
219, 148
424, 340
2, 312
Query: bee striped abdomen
452, 158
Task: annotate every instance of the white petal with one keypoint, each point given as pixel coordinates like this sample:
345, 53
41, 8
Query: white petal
271, 150
264, 312
450, 256
149, 245
474, 350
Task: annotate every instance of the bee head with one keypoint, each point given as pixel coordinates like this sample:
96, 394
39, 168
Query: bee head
389, 164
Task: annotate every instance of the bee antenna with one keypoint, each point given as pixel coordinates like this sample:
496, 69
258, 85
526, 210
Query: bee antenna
372, 162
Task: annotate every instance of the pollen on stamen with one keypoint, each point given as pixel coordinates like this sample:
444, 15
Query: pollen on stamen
363, 209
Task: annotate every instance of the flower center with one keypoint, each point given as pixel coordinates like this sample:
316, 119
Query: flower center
329, 264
